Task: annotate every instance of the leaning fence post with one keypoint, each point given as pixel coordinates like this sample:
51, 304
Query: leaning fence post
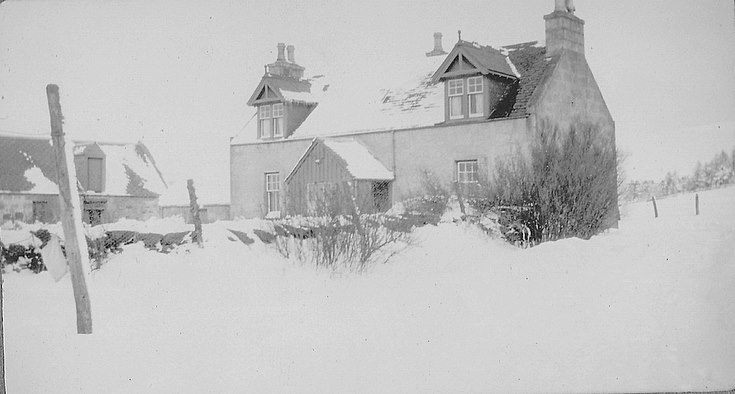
655, 209
696, 203
194, 209
71, 216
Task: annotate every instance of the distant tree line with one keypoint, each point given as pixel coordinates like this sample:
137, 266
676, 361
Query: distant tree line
717, 172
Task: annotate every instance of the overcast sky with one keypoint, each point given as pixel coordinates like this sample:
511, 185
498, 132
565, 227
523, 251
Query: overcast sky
177, 74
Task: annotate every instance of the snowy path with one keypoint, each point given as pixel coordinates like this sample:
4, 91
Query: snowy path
646, 307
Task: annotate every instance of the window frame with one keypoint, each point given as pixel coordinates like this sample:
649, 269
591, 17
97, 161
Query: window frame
471, 94
272, 188
468, 174
458, 92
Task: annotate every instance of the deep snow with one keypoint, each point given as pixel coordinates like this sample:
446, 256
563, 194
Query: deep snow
648, 306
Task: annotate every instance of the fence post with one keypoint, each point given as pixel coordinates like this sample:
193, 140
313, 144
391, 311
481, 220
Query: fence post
194, 209
2, 337
655, 209
71, 215
696, 203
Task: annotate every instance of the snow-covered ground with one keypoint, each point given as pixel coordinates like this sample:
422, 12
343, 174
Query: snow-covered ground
649, 306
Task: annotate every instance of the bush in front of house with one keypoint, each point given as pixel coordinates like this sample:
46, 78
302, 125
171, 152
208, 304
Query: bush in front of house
431, 200
566, 186
336, 235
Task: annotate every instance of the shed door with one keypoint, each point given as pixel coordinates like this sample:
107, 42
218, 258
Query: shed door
94, 174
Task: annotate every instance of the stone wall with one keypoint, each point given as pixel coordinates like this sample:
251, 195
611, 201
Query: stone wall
409, 153
208, 213
20, 207
139, 208
571, 94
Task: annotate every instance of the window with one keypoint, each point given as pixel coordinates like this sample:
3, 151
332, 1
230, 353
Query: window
265, 121
40, 211
271, 120
474, 96
455, 92
467, 171
272, 191
278, 120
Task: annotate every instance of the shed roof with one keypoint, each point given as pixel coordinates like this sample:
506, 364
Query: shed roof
361, 164
27, 165
357, 159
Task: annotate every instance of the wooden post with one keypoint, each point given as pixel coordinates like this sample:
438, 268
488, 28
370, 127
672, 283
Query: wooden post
696, 203
459, 199
2, 336
71, 215
194, 207
655, 209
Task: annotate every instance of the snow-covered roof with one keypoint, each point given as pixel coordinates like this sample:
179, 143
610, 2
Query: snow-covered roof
361, 164
27, 165
401, 95
306, 97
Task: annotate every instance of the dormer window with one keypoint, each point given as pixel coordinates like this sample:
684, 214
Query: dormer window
456, 98
473, 76
474, 96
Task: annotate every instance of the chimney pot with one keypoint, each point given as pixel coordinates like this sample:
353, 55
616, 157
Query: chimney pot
438, 42
281, 47
290, 49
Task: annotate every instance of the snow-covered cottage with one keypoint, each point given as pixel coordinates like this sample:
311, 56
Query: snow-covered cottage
116, 180
454, 115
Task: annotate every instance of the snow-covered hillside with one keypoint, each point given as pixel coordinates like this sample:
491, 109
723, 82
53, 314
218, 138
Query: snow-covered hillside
646, 307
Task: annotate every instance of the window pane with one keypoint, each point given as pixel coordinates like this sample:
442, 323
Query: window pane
474, 85
265, 128
467, 171
277, 127
475, 104
456, 87
277, 110
455, 107
265, 111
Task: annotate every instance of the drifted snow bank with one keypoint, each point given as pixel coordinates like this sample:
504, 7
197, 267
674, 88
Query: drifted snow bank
647, 307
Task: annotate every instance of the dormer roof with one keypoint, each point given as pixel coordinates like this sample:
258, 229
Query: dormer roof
471, 58
273, 88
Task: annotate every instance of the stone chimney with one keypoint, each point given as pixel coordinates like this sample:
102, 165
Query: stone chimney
564, 31
281, 47
283, 68
289, 50
438, 50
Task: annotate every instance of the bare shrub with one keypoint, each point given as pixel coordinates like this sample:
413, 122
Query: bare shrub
567, 187
432, 197
337, 235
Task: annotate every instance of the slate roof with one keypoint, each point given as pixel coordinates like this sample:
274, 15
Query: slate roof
27, 165
487, 57
358, 103
534, 66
